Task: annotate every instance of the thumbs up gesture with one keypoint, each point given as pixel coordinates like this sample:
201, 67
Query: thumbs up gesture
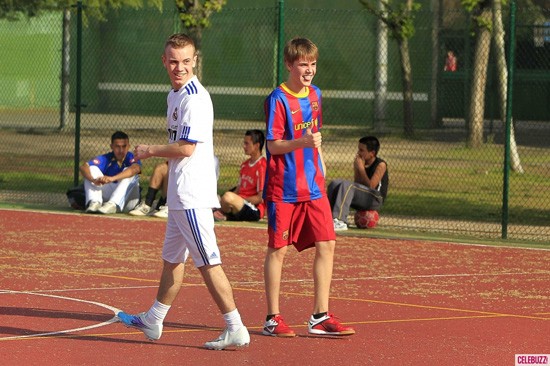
312, 139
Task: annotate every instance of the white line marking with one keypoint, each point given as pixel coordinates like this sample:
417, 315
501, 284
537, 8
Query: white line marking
244, 91
59, 332
84, 289
405, 277
241, 283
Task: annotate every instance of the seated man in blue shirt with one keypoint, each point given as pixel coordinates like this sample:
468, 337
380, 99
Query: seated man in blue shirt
111, 181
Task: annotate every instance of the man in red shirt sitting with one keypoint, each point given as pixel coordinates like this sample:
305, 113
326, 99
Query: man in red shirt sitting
245, 202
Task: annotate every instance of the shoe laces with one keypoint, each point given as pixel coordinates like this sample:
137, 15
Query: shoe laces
277, 320
329, 317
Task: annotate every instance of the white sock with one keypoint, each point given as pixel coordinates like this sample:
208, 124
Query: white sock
157, 313
233, 320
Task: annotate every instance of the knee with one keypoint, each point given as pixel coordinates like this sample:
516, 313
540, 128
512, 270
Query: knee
161, 169
169, 267
95, 172
228, 198
325, 247
333, 184
277, 255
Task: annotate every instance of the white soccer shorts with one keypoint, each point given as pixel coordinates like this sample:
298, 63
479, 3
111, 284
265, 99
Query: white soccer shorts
191, 232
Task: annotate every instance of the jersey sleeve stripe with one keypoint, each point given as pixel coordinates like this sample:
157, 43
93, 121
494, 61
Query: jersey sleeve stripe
191, 88
185, 132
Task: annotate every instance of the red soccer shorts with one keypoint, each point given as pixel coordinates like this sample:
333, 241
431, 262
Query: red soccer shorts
302, 223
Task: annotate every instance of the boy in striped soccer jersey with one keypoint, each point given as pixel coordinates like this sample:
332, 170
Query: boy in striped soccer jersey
298, 210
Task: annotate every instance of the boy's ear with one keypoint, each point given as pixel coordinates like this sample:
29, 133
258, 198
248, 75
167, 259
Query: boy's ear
288, 65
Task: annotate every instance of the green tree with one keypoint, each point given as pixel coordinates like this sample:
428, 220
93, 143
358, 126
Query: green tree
502, 70
400, 22
488, 30
16, 9
480, 12
195, 16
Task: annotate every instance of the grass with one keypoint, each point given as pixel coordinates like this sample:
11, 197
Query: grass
428, 179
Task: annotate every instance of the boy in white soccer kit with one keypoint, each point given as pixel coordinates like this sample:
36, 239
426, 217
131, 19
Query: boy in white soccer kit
192, 193
194, 187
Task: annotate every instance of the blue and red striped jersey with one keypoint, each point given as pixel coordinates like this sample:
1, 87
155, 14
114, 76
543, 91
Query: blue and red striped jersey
296, 176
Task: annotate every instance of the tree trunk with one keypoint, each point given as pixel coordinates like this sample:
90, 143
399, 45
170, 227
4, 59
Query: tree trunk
435, 65
406, 72
196, 34
499, 45
479, 79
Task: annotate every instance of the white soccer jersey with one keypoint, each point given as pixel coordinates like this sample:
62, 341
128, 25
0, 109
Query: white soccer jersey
192, 180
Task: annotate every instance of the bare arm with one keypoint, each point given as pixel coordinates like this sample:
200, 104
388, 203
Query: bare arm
323, 161
279, 147
361, 175
256, 199
126, 173
180, 149
85, 171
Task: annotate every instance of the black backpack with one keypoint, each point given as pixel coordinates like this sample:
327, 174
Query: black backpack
77, 197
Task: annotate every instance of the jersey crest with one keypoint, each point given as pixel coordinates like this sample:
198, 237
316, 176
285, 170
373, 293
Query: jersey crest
175, 114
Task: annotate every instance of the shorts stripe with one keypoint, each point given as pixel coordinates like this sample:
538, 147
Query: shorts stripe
192, 219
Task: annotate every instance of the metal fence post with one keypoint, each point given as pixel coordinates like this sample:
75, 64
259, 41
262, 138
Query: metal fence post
78, 90
281, 40
509, 104
65, 69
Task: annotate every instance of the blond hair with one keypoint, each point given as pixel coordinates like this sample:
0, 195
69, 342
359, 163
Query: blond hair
179, 40
300, 48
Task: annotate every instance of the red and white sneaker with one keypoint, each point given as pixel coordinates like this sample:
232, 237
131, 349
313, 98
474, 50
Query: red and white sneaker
276, 327
328, 325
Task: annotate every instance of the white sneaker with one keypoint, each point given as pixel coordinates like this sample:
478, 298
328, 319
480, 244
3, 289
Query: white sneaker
238, 338
152, 332
161, 212
93, 206
107, 208
140, 210
339, 225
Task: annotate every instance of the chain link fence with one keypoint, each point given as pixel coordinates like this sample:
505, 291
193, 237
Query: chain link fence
439, 183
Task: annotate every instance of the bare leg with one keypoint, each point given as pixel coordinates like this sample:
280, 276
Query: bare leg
231, 202
164, 179
273, 268
159, 175
170, 282
219, 287
322, 274
235, 334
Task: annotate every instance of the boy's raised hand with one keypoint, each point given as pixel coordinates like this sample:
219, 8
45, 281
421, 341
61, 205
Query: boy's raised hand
312, 139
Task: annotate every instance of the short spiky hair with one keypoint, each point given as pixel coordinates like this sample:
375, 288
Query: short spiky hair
371, 143
179, 40
119, 135
257, 137
300, 48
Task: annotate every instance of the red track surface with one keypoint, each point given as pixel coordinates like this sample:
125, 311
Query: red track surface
411, 302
